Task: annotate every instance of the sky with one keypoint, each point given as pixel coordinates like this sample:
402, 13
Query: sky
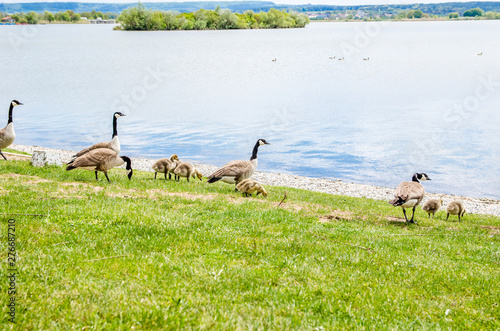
289, 2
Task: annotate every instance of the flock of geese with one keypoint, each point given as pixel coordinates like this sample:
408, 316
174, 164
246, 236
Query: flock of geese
104, 156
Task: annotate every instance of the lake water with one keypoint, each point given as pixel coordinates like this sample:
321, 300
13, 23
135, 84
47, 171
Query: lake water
423, 102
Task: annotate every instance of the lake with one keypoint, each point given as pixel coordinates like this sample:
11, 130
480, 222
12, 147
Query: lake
407, 97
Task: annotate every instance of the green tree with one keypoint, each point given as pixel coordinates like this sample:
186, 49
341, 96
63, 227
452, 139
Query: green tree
490, 15
32, 17
474, 12
418, 13
48, 16
454, 15
410, 14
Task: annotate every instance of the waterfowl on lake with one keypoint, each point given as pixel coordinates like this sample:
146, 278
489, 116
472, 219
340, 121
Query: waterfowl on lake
249, 186
166, 166
332, 58
432, 206
236, 171
341, 58
187, 170
366, 59
455, 208
480, 53
274, 60
100, 159
7, 134
410, 194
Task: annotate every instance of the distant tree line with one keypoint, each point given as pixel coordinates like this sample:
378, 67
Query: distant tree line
66, 16
140, 18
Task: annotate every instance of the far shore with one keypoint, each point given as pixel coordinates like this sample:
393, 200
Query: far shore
335, 187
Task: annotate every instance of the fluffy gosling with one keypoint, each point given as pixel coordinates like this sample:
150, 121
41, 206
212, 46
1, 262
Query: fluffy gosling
455, 208
249, 186
165, 166
432, 206
187, 170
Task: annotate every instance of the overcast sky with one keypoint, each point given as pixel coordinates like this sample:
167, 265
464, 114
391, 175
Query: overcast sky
290, 2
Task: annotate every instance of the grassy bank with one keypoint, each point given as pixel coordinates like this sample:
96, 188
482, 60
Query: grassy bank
148, 253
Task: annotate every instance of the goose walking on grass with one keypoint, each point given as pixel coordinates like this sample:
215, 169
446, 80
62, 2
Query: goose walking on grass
113, 144
166, 166
236, 171
410, 194
455, 208
101, 159
7, 134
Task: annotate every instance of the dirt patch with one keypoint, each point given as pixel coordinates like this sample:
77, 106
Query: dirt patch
190, 196
396, 219
337, 215
28, 179
17, 157
494, 230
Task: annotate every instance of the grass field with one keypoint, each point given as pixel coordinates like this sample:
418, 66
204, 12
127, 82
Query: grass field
154, 254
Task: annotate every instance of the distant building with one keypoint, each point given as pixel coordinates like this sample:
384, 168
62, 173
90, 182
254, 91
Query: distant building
99, 20
8, 21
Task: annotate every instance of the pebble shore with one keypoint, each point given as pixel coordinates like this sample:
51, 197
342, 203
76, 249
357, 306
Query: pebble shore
336, 187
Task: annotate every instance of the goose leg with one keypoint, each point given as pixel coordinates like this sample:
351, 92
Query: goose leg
107, 177
447, 215
169, 176
155, 174
404, 212
96, 178
413, 214
3, 155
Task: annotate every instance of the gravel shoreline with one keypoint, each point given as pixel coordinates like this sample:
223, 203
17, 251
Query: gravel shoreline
336, 187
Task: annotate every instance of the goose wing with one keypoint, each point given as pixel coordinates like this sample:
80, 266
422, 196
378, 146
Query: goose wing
94, 158
232, 169
93, 147
407, 191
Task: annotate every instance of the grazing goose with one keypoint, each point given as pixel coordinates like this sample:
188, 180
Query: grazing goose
114, 144
187, 170
410, 194
455, 208
249, 186
7, 134
100, 159
432, 206
236, 171
166, 166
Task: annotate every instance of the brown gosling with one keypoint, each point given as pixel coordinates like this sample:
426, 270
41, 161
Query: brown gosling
166, 166
101, 159
410, 194
187, 170
455, 208
249, 186
432, 206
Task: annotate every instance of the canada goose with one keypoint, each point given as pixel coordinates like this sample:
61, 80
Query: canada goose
341, 58
187, 170
113, 144
366, 59
410, 194
432, 206
332, 58
274, 60
236, 171
455, 208
166, 166
7, 134
249, 186
100, 159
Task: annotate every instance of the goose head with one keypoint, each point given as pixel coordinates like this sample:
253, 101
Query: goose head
15, 103
420, 176
118, 114
198, 174
263, 142
128, 168
174, 157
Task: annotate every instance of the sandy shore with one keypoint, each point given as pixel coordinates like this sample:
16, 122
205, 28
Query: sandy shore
472, 205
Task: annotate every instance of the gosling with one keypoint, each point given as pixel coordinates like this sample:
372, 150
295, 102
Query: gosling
432, 206
455, 208
187, 170
165, 166
249, 186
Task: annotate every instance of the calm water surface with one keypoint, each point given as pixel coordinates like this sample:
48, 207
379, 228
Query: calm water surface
424, 101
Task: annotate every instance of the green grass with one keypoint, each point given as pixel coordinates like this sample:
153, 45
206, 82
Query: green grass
10, 150
150, 254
